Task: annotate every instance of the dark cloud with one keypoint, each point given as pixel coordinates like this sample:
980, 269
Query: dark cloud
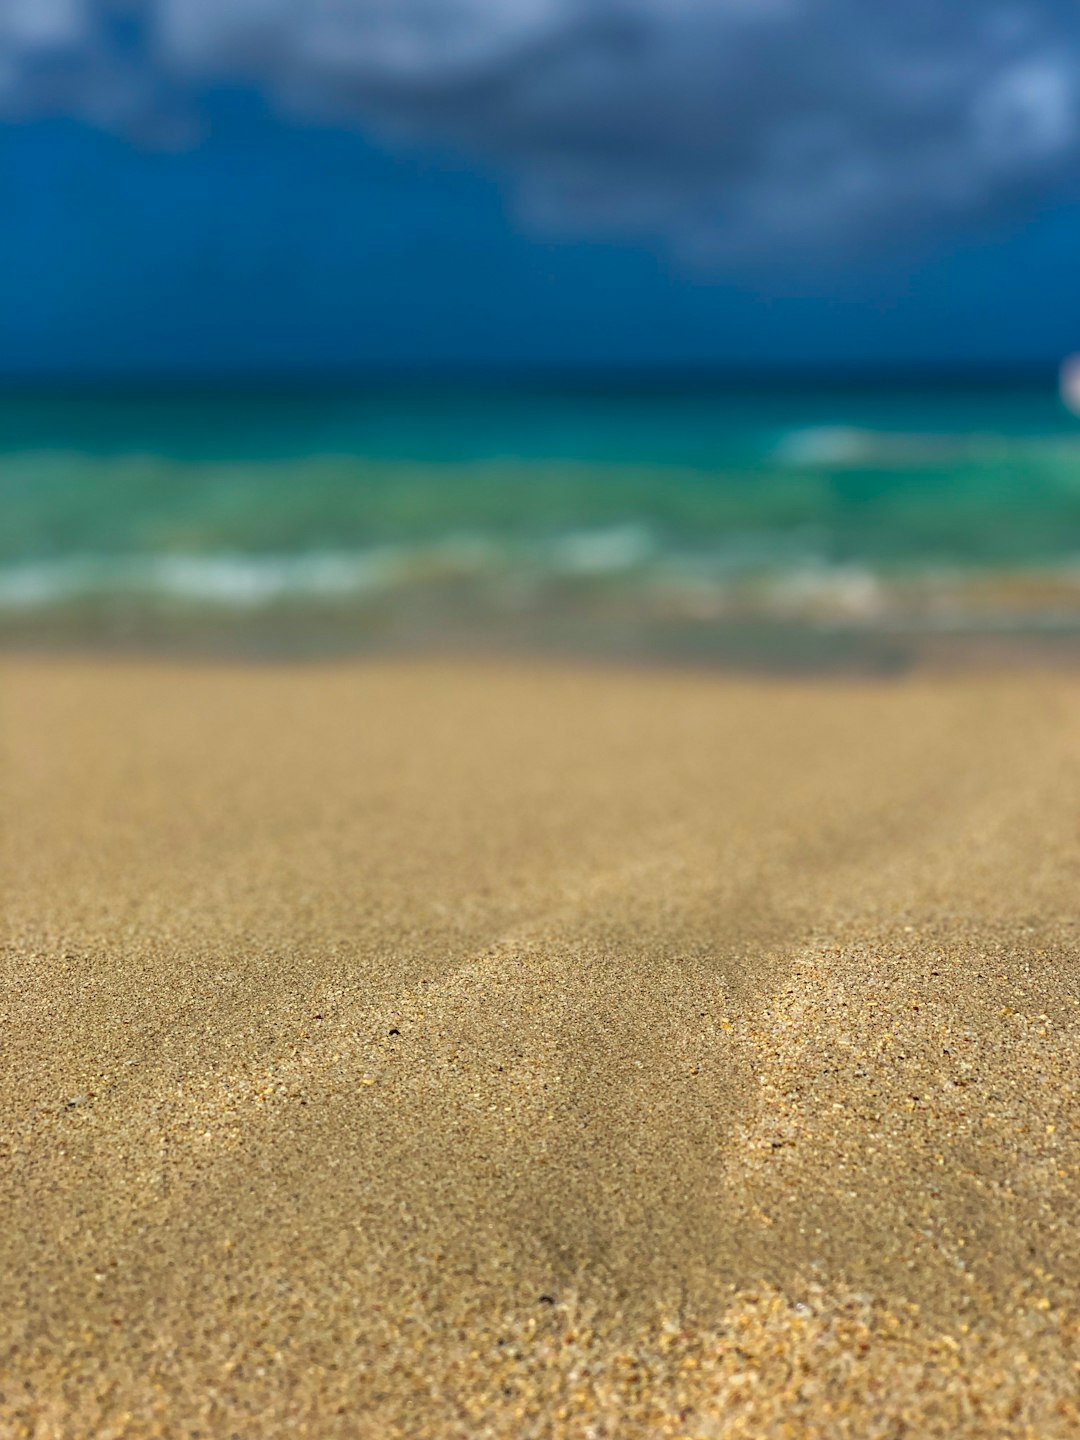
724, 126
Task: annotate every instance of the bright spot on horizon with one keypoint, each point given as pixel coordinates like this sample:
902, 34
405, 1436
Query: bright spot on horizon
1070, 382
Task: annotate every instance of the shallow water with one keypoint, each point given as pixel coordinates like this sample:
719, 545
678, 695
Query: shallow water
640, 517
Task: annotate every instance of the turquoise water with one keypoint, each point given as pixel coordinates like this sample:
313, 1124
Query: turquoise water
611, 516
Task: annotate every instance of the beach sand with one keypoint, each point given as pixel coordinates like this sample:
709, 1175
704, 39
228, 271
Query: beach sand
427, 1049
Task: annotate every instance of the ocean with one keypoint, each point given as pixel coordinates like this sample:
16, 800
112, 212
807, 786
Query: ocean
769, 523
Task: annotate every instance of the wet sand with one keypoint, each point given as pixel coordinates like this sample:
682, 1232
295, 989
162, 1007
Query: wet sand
412, 1049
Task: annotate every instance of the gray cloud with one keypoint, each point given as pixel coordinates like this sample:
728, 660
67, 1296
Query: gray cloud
723, 126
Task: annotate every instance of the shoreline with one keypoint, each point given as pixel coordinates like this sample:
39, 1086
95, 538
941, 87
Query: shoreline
790, 653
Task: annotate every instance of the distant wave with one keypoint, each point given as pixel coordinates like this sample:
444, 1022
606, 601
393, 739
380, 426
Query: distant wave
622, 566
842, 445
825, 445
236, 581
231, 581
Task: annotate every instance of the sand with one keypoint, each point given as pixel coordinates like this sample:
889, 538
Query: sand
417, 1049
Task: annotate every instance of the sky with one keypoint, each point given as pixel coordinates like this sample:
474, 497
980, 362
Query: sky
204, 187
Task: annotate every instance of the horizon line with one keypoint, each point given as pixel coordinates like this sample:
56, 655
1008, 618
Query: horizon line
74, 383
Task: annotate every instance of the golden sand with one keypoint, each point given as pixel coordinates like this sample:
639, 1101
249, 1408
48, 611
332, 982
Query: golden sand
400, 1050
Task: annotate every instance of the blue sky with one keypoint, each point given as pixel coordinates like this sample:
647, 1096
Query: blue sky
253, 185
